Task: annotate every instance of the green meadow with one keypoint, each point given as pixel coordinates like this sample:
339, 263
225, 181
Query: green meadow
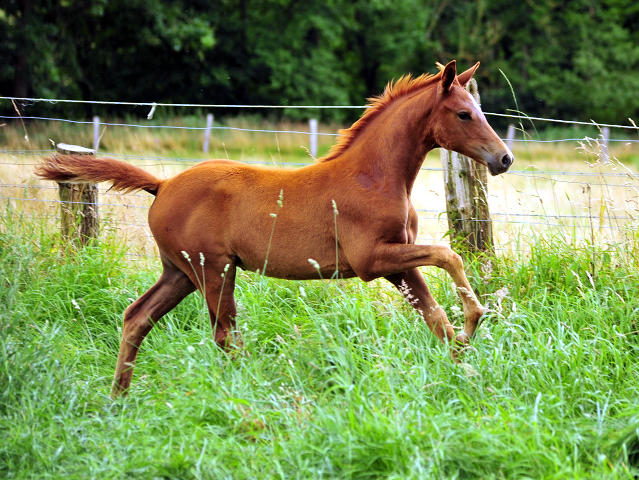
335, 379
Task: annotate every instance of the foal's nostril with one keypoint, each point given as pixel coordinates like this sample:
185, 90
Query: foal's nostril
506, 160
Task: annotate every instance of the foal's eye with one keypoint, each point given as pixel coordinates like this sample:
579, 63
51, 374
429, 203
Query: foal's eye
464, 115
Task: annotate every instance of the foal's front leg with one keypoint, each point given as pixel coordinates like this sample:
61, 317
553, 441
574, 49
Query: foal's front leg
219, 295
392, 258
412, 285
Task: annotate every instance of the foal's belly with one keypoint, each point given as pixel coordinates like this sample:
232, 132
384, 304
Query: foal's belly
324, 274
295, 264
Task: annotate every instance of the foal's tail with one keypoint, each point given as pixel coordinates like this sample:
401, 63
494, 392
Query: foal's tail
77, 168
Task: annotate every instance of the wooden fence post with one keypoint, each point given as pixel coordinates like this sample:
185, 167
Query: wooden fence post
469, 221
510, 136
604, 155
96, 133
312, 126
207, 133
79, 207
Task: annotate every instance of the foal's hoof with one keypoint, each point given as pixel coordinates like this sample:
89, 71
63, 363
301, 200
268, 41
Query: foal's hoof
117, 391
462, 341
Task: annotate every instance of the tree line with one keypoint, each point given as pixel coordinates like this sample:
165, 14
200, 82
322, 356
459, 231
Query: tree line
571, 59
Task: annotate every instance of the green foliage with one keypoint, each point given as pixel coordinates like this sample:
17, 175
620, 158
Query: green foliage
118, 50
565, 59
336, 379
572, 60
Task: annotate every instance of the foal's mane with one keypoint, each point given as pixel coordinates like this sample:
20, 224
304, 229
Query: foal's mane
394, 90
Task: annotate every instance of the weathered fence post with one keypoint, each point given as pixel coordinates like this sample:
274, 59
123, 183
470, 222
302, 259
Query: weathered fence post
207, 132
312, 125
79, 207
469, 221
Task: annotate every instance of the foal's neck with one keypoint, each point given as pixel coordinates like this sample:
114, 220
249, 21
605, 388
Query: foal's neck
393, 146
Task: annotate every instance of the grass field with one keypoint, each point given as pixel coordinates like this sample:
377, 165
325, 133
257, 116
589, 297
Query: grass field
335, 380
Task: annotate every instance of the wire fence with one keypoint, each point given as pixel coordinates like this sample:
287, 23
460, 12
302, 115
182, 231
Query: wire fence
303, 132
584, 194
154, 105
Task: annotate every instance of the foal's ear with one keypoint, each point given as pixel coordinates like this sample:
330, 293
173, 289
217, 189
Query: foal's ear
448, 76
465, 77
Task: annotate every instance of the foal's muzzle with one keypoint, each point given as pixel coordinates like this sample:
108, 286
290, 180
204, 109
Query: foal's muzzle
500, 164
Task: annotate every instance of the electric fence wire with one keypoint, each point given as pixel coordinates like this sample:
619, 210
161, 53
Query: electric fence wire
315, 107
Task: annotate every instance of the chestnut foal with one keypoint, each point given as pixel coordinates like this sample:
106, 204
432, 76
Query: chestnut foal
220, 210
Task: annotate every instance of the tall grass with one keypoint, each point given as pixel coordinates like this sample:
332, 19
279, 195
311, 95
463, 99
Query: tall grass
335, 380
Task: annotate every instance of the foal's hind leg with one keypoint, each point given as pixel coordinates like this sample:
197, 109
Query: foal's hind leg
171, 288
412, 285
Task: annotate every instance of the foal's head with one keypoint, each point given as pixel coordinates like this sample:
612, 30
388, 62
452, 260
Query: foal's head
458, 124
